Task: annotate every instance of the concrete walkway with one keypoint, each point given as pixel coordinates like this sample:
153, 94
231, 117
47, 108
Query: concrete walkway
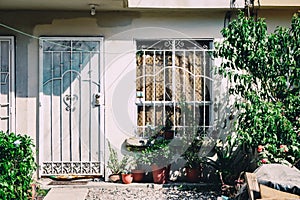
80, 191
67, 194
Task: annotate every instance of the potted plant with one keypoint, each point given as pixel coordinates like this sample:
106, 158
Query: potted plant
193, 161
192, 141
138, 175
127, 176
115, 165
140, 166
159, 157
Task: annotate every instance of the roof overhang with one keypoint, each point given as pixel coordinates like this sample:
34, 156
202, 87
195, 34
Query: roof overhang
119, 5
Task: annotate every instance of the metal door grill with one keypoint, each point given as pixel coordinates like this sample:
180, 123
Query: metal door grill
6, 86
173, 86
70, 135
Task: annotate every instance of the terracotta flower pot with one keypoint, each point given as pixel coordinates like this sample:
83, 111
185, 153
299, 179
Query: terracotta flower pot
127, 178
168, 135
192, 174
160, 174
138, 175
114, 177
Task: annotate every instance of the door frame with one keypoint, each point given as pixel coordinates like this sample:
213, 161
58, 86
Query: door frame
101, 82
12, 93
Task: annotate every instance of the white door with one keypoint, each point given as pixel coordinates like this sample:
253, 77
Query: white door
7, 94
71, 106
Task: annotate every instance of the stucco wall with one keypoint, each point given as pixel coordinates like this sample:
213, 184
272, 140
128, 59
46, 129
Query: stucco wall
119, 29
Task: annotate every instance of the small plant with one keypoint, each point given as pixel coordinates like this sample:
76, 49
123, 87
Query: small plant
16, 166
39, 192
231, 159
158, 152
139, 159
115, 165
192, 139
191, 155
271, 153
126, 171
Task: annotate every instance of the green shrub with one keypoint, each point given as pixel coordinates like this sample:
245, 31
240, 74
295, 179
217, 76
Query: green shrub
16, 166
116, 165
264, 74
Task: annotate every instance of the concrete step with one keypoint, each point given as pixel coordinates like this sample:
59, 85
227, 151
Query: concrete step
66, 194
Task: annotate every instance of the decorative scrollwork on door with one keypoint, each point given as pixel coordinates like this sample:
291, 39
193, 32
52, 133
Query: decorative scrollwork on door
70, 101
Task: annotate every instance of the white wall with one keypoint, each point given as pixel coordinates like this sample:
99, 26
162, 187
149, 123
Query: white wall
119, 34
119, 90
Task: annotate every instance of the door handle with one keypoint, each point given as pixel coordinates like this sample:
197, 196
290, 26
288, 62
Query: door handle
97, 99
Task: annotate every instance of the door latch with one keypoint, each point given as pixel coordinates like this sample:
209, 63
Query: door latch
97, 101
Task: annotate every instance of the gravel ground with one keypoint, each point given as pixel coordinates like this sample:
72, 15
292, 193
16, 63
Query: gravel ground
123, 193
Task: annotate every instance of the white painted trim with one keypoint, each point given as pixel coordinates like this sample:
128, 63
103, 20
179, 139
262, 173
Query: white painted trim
12, 94
12, 85
102, 107
40, 143
221, 4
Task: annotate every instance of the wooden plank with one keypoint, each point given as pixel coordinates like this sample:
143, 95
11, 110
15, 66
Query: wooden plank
273, 194
252, 185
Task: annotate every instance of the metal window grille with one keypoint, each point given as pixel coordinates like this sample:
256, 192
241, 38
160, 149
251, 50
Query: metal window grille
173, 86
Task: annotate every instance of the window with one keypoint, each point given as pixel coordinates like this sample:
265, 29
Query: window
173, 86
7, 87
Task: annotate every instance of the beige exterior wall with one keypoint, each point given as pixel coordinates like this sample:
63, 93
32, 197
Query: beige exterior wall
119, 29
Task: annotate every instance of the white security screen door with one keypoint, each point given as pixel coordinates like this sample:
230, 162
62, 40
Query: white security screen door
71, 106
7, 95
